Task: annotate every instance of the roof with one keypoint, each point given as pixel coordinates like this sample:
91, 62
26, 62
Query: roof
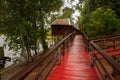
66, 22
76, 27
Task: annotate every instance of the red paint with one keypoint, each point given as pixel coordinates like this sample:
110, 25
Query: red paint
75, 64
114, 53
111, 53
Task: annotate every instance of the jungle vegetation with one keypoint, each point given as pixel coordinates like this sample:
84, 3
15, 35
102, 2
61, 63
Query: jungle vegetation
99, 17
26, 23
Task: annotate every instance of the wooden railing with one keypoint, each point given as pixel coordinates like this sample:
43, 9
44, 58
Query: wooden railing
40, 67
108, 43
86, 39
106, 65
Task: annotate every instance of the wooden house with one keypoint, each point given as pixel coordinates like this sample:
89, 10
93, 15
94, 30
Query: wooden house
62, 27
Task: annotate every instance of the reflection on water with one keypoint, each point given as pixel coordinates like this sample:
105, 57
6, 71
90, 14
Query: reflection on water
13, 58
9, 56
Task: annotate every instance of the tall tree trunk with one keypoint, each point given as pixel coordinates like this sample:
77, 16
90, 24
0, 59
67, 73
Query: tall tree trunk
35, 49
28, 49
43, 35
43, 39
24, 53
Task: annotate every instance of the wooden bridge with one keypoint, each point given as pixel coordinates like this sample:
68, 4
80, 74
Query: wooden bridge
75, 57
75, 64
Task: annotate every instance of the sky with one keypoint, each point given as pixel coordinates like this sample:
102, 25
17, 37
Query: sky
67, 3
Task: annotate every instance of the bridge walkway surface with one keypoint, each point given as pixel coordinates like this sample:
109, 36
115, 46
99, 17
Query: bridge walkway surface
75, 64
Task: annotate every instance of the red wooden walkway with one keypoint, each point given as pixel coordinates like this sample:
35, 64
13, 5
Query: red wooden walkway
75, 64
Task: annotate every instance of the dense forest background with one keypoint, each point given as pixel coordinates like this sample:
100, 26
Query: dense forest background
100, 17
25, 23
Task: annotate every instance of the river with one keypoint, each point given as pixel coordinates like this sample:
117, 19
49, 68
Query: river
7, 52
12, 55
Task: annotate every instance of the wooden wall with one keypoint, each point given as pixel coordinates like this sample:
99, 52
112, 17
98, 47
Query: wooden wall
61, 30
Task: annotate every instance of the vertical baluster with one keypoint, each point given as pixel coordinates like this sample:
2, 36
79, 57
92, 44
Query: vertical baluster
63, 48
116, 74
114, 43
58, 56
92, 56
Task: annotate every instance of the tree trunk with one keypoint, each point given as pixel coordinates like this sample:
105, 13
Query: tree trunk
23, 47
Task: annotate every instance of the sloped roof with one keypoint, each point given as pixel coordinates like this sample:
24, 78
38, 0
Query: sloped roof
66, 22
76, 27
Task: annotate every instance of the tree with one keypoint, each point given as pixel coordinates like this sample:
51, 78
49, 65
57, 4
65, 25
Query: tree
67, 12
102, 22
24, 23
98, 18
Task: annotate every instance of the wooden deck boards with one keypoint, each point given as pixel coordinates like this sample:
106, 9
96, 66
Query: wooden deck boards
75, 64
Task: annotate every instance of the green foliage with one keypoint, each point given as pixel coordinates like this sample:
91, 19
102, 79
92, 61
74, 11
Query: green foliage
24, 22
98, 18
67, 12
115, 7
102, 22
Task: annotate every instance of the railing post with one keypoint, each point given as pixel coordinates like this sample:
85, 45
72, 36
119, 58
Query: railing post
70, 40
66, 44
104, 43
63, 48
0, 77
92, 56
114, 43
88, 45
58, 56
116, 74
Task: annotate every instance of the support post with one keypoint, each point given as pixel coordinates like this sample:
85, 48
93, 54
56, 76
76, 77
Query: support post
58, 56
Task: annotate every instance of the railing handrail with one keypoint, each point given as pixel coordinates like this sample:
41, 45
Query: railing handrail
57, 45
92, 45
105, 37
83, 33
110, 60
42, 58
99, 38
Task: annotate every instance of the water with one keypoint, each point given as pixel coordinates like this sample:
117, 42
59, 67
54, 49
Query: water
7, 52
10, 53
